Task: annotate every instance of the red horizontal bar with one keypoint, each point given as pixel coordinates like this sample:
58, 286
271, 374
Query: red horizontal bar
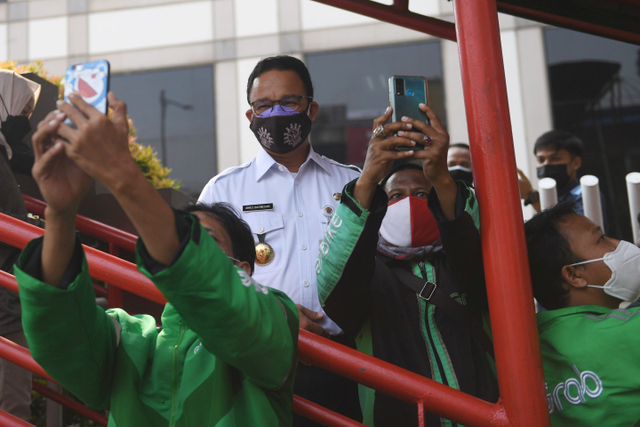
102, 266
405, 385
401, 17
70, 403
20, 356
99, 230
8, 420
318, 413
570, 23
8, 281
122, 274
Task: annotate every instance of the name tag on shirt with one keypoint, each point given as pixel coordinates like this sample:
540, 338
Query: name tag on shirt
257, 208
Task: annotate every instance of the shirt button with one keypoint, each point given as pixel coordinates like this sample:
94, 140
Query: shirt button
306, 283
296, 182
299, 213
280, 168
260, 229
303, 247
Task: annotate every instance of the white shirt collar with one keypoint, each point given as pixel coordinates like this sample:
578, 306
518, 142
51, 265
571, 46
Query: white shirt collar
265, 162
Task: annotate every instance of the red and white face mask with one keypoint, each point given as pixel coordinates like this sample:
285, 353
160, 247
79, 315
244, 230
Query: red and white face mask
409, 223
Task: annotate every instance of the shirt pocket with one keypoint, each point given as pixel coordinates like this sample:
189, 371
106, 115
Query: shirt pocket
270, 225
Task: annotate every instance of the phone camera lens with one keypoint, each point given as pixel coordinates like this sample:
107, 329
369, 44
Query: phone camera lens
399, 87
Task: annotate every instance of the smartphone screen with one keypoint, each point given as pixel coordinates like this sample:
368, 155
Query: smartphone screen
405, 93
90, 80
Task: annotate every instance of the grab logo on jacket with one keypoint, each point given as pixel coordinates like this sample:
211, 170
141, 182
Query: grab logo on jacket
575, 390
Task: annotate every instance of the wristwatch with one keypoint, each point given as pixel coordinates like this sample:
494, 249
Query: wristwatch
534, 197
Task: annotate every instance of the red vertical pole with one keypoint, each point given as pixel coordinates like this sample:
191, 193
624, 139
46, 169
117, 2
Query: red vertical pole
515, 334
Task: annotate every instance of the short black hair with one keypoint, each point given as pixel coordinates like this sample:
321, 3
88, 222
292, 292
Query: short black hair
549, 250
237, 229
281, 63
399, 168
460, 145
560, 139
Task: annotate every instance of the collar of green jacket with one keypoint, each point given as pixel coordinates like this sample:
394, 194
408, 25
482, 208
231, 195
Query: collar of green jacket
546, 318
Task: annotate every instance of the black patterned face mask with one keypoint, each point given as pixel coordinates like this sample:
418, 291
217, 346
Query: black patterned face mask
14, 128
281, 131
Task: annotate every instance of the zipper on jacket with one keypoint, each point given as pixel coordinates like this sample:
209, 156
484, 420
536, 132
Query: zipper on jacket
174, 376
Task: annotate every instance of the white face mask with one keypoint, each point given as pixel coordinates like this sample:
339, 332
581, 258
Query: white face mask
624, 264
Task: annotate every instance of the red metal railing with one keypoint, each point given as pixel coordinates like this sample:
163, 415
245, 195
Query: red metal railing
518, 360
20, 356
390, 379
114, 236
102, 266
70, 403
506, 264
519, 364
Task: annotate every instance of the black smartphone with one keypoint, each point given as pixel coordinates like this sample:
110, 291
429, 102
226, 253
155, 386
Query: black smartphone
89, 80
405, 93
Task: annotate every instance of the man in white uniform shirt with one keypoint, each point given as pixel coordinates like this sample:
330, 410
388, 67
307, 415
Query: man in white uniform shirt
287, 195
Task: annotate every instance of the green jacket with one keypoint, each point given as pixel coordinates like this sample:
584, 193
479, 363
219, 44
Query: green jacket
225, 355
591, 366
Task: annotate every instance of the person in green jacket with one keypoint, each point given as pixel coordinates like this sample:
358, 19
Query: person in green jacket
581, 276
227, 349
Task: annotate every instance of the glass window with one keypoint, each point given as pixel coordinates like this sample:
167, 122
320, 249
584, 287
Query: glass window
595, 92
188, 119
352, 89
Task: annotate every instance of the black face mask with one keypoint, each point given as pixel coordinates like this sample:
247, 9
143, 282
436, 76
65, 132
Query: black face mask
557, 172
14, 128
281, 134
463, 174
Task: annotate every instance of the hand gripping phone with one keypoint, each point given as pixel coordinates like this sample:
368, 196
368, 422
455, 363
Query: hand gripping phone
405, 93
90, 80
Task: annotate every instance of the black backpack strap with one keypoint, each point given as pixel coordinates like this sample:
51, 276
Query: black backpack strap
430, 292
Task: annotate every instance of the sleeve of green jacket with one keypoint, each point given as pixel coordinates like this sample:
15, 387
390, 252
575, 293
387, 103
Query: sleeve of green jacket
249, 326
69, 336
347, 260
461, 241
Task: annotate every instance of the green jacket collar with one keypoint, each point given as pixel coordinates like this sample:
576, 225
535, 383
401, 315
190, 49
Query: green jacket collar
545, 317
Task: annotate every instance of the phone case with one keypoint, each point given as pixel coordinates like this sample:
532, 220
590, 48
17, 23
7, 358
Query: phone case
406, 104
90, 80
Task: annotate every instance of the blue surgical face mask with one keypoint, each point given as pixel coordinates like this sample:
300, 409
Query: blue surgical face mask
624, 263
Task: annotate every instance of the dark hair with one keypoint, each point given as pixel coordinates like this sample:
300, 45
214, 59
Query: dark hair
460, 145
560, 139
549, 251
238, 230
281, 63
399, 168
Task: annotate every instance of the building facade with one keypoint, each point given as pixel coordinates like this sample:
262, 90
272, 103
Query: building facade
200, 54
